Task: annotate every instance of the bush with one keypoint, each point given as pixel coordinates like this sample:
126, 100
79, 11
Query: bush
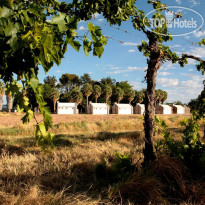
120, 169
190, 149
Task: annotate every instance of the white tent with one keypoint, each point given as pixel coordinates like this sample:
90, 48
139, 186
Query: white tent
98, 108
122, 109
178, 109
67, 108
139, 109
163, 109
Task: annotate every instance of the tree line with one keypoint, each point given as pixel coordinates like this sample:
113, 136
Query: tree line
81, 90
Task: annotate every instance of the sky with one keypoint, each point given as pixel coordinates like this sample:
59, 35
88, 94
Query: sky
122, 61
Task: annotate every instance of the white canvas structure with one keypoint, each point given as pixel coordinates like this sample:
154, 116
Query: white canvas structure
163, 109
139, 109
122, 109
98, 108
178, 109
67, 108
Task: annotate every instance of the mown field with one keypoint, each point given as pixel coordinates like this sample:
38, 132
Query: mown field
67, 174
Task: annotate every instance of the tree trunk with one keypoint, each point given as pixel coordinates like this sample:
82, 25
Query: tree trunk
153, 66
204, 130
1, 102
9, 102
96, 99
54, 106
87, 104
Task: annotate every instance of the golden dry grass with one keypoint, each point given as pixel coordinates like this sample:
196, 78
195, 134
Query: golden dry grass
14, 119
66, 175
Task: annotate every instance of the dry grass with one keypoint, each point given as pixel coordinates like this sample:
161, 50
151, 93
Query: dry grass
14, 119
66, 175
166, 181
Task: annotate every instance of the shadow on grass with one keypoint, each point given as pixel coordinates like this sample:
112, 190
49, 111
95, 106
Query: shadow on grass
11, 149
176, 130
66, 140
62, 141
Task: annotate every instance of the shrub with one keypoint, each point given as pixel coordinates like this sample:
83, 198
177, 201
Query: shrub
189, 149
120, 169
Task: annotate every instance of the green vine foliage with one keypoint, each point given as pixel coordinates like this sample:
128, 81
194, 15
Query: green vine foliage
190, 149
37, 33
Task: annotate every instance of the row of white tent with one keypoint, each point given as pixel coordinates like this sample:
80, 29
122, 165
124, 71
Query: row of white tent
117, 108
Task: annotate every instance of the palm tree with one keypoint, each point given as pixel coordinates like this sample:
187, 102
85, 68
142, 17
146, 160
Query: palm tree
87, 91
75, 95
9, 101
108, 92
140, 96
157, 96
2, 89
119, 93
161, 95
52, 94
165, 96
55, 97
96, 92
130, 95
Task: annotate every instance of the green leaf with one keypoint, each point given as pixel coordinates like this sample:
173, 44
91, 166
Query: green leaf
87, 46
60, 21
98, 50
75, 44
11, 29
34, 84
27, 117
42, 129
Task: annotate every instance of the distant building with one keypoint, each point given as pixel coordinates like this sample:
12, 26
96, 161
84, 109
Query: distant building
122, 109
163, 109
139, 109
98, 108
187, 110
67, 108
178, 109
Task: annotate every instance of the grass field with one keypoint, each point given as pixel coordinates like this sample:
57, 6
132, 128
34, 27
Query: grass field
66, 175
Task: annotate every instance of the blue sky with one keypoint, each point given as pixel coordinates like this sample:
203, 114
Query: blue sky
123, 61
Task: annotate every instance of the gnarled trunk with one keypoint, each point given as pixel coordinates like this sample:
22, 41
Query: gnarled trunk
153, 66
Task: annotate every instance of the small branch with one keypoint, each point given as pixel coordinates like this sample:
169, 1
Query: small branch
34, 116
165, 8
140, 26
190, 56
